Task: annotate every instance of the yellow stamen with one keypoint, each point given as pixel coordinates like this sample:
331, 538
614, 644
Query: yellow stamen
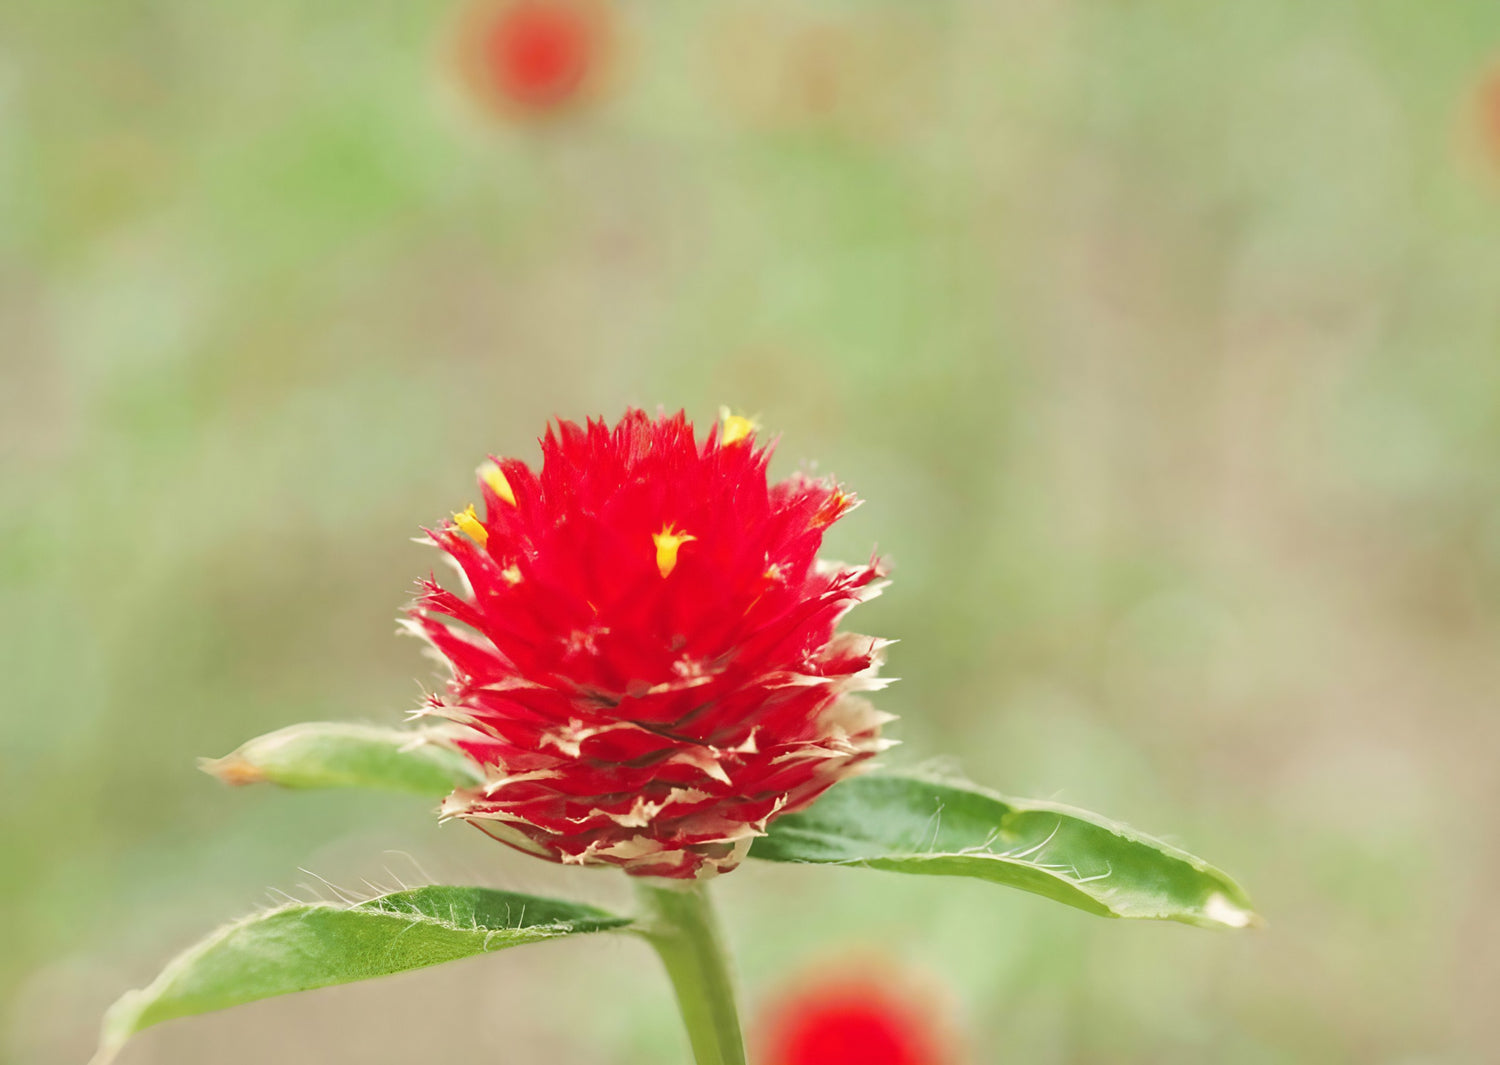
469, 523
834, 507
667, 543
735, 427
493, 476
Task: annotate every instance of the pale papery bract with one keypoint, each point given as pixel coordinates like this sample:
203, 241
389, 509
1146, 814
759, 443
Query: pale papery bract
644, 646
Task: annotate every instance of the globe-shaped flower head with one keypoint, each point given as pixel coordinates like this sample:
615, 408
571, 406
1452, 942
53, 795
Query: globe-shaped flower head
644, 648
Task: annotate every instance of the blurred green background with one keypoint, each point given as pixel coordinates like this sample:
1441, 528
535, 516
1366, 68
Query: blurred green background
1162, 338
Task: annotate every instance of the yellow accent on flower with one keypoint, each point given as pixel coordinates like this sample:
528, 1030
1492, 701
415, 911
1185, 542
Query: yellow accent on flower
469, 522
667, 543
735, 427
838, 503
493, 476
512, 574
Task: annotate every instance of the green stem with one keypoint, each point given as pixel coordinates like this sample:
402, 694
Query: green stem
679, 923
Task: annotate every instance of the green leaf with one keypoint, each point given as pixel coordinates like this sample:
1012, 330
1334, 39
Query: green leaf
325, 754
308, 945
909, 824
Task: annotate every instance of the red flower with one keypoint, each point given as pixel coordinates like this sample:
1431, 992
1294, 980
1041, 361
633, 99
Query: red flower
646, 649
854, 1020
534, 55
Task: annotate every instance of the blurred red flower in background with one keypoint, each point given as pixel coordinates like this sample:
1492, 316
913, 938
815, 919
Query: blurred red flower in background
1487, 115
856, 1017
534, 56
645, 648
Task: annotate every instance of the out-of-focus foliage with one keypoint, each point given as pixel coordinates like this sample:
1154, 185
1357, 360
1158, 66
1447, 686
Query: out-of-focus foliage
1161, 338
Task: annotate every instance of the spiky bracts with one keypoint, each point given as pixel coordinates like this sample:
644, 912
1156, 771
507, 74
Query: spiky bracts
645, 646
